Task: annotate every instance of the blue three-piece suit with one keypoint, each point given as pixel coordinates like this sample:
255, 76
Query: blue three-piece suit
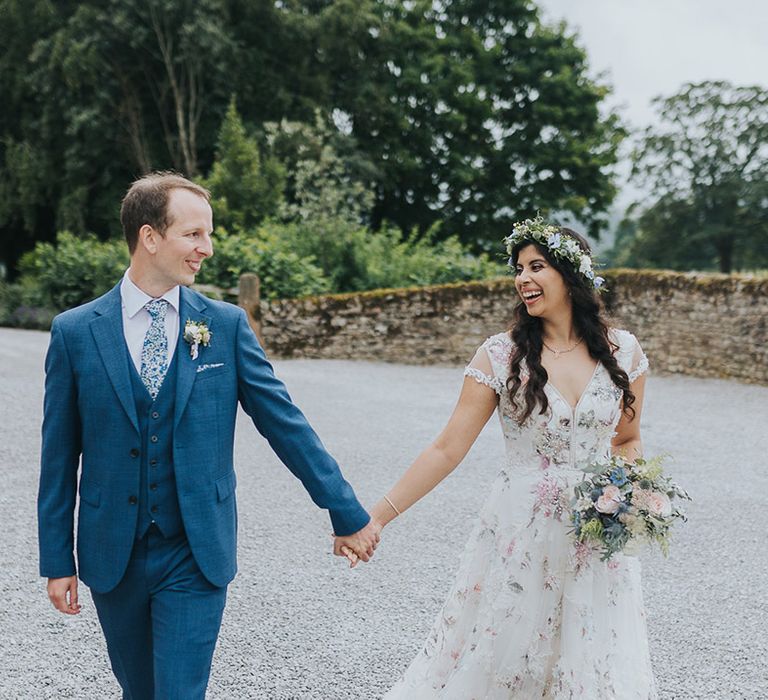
157, 522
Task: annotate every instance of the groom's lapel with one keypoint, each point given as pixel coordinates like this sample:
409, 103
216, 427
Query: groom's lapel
191, 307
107, 330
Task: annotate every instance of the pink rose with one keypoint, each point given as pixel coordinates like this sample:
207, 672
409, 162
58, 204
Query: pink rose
659, 504
640, 499
609, 502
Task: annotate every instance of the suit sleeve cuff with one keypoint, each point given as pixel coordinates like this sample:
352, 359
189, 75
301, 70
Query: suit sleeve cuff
349, 520
48, 572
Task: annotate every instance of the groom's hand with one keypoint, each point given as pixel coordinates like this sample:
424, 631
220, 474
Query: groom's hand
62, 592
359, 545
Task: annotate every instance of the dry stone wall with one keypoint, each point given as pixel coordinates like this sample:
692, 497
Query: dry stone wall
702, 325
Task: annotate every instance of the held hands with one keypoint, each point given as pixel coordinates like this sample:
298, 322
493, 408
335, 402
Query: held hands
62, 592
359, 545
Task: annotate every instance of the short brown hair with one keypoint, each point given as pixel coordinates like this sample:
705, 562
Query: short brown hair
146, 202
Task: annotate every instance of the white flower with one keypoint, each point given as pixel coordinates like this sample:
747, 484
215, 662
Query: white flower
571, 246
196, 333
585, 264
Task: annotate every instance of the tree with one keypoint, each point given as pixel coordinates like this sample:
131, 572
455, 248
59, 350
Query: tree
246, 188
474, 112
467, 112
96, 93
706, 165
328, 178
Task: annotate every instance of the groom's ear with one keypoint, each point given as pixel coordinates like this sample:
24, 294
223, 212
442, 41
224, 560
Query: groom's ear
148, 238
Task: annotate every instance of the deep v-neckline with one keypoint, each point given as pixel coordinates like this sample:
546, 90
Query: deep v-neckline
583, 391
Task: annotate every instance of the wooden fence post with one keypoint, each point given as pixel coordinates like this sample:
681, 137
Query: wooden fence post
249, 298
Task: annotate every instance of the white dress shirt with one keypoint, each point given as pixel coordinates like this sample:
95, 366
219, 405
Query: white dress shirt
136, 319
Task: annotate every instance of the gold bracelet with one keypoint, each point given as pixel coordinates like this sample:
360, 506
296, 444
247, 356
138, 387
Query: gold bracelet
394, 507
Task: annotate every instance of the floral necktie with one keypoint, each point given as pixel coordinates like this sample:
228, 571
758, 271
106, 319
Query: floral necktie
154, 353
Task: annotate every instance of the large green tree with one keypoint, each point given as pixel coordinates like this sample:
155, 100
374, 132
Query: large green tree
705, 163
474, 111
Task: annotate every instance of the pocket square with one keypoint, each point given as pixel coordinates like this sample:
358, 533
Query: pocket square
202, 368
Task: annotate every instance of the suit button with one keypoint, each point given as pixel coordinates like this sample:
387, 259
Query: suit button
154, 438
133, 500
155, 415
152, 462
154, 509
134, 452
153, 487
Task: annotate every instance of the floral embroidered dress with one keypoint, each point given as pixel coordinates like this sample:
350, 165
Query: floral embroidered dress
530, 615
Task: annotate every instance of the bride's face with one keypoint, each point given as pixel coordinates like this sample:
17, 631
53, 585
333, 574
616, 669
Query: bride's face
540, 286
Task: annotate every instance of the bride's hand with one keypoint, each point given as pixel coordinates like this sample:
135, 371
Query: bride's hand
349, 554
360, 545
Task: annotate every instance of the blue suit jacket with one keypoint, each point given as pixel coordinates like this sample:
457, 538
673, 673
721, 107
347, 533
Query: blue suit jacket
90, 420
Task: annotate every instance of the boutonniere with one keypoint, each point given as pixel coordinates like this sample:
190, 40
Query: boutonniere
196, 333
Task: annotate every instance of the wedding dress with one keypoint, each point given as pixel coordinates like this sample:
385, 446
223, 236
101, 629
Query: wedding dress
530, 615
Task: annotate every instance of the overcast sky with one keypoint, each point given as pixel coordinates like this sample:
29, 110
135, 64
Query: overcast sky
653, 47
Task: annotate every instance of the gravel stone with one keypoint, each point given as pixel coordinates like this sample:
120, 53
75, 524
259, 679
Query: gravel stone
299, 624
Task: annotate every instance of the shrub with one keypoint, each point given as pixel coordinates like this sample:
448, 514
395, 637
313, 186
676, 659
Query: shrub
354, 258
284, 274
71, 272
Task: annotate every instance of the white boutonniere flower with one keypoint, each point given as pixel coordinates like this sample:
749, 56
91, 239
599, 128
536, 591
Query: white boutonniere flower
196, 333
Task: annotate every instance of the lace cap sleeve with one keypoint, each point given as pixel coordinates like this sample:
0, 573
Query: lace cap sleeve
639, 363
630, 355
487, 365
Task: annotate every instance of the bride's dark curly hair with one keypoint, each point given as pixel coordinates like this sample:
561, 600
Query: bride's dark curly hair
589, 323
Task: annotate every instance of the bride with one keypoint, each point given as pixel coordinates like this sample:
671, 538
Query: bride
531, 615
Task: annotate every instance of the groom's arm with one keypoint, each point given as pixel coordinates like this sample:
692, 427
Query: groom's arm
265, 399
59, 462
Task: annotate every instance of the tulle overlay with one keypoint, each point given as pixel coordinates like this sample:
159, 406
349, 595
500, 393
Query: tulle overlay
530, 615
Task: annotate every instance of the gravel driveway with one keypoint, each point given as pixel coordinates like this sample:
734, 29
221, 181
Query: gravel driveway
298, 624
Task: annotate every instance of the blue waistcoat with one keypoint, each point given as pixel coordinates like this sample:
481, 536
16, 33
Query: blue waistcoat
158, 501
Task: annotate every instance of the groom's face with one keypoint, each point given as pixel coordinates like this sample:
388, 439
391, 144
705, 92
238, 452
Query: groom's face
187, 242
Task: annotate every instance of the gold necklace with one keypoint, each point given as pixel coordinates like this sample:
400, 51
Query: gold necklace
557, 353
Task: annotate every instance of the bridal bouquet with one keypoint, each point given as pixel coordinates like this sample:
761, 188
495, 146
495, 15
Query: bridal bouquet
621, 505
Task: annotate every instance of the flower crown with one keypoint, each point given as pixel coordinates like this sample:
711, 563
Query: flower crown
560, 245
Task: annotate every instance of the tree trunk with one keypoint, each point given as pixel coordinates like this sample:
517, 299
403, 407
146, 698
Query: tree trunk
165, 44
725, 254
130, 108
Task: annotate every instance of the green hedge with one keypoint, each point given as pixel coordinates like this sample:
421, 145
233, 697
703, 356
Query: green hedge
292, 260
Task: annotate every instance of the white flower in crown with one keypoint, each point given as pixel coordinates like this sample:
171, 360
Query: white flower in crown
196, 333
572, 247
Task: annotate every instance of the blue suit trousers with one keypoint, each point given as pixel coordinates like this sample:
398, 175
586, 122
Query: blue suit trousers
161, 622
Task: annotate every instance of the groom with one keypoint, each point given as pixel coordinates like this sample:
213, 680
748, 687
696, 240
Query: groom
141, 392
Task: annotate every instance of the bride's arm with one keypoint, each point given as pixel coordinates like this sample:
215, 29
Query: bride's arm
627, 443
475, 406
